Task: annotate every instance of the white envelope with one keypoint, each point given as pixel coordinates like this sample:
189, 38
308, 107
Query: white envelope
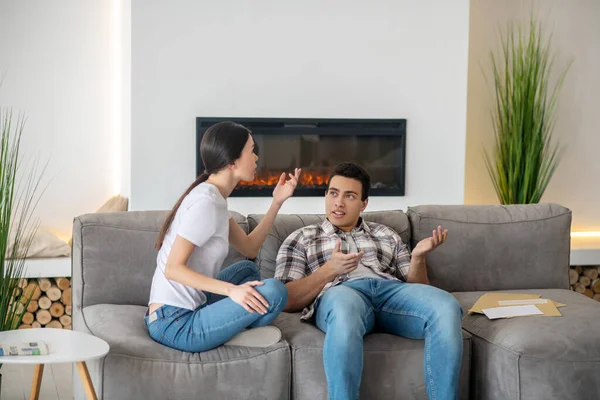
512, 311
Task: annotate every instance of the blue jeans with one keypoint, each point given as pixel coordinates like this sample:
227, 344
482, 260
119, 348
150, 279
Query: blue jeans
220, 318
349, 311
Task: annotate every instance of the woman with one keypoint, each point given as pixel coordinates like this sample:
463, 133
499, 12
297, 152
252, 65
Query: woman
189, 309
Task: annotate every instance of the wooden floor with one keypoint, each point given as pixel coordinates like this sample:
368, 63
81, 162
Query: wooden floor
56, 382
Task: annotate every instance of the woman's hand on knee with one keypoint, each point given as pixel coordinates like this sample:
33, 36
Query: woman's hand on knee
249, 298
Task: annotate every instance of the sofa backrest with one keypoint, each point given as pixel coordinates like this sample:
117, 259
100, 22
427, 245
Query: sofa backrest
496, 247
488, 248
284, 225
114, 257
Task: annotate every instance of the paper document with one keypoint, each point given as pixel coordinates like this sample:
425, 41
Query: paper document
521, 302
548, 307
512, 311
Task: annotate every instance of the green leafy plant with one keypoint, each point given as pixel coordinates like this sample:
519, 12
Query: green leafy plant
524, 156
19, 188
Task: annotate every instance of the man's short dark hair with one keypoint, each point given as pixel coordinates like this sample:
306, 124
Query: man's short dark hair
353, 171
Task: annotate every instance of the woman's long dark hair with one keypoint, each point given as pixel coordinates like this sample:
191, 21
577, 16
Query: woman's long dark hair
221, 145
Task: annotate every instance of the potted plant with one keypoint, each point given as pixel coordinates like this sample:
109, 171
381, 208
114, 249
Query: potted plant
525, 153
18, 199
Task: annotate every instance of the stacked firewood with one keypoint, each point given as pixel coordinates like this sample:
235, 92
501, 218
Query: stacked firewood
50, 304
586, 280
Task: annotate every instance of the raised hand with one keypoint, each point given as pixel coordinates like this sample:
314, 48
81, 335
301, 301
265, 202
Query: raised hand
285, 189
431, 243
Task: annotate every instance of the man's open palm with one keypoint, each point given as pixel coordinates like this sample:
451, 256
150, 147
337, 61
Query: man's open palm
431, 243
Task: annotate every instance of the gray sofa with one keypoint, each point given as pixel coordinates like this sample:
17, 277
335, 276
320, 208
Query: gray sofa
489, 248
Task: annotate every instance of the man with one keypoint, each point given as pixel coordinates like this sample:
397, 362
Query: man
375, 283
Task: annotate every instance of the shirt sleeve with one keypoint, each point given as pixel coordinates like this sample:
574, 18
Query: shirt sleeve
401, 258
199, 222
291, 259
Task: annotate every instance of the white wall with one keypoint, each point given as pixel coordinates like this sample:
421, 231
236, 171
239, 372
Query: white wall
313, 59
122, 12
55, 57
394, 59
575, 26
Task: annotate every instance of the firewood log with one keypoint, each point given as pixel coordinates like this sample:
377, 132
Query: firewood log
591, 273
43, 316
44, 303
63, 283
54, 293
44, 284
28, 318
579, 288
32, 290
33, 306
65, 320
584, 280
54, 324
66, 297
573, 276
57, 309
595, 286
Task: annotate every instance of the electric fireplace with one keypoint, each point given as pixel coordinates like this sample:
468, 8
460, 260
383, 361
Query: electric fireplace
316, 145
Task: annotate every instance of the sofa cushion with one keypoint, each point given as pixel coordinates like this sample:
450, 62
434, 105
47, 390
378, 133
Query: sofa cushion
393, 366
284, 225
160, 372
536, 357
496, 247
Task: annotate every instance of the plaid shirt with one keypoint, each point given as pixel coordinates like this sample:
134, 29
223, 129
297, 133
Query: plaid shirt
309, 248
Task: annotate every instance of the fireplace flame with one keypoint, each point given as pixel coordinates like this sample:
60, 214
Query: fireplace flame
270, 179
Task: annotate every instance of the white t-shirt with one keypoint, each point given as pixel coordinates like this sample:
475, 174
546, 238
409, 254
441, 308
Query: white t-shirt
203, 219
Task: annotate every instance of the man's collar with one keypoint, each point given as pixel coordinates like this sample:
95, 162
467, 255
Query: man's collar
329, 228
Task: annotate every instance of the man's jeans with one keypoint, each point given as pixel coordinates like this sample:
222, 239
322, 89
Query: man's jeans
349, 311
220, 318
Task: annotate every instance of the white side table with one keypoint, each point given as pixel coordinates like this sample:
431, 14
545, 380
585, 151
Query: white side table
64, 346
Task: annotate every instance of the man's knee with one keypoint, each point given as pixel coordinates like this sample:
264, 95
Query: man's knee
451, 306
448, 311
344, 311
348, 319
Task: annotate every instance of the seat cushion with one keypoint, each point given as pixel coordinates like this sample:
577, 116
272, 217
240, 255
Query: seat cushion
536, 357
393, 366
139, 367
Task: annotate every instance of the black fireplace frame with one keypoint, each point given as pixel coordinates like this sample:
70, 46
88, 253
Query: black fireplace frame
321, 126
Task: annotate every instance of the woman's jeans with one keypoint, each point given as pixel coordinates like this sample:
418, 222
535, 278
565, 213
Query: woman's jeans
220, 318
